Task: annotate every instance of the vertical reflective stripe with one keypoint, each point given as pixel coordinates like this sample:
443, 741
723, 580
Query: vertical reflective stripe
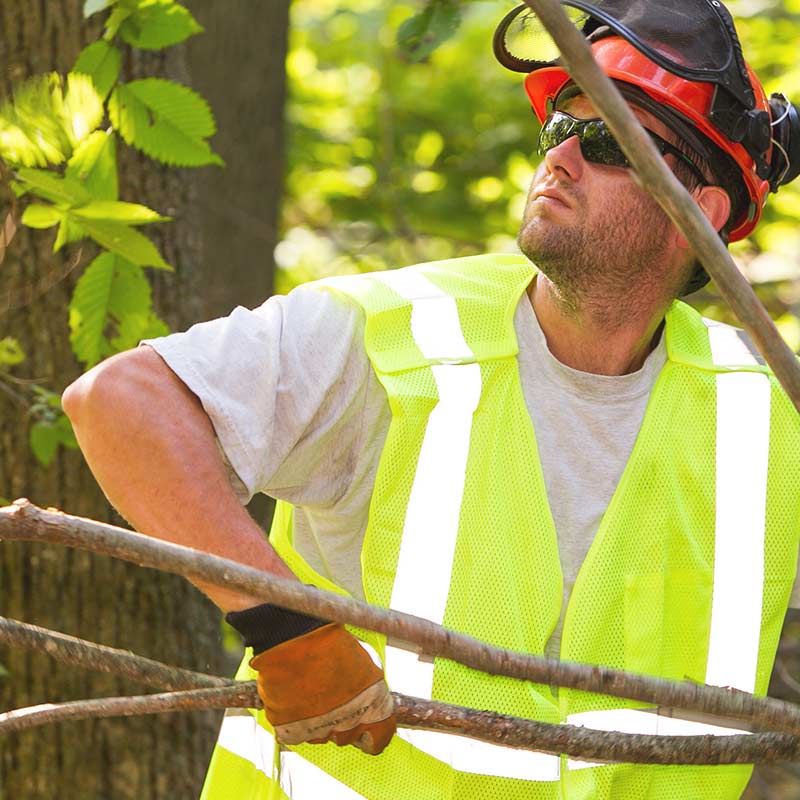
241, 735
434, 506
422, 579
435, 325
742, 458
484, 758
302, 780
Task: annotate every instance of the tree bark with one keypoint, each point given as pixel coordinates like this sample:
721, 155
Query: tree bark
158, 615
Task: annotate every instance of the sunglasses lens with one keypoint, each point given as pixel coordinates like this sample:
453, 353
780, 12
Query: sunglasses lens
597, 143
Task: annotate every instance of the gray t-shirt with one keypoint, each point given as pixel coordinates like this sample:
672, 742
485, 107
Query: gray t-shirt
300, 416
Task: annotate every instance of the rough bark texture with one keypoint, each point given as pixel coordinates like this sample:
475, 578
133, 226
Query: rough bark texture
158, 615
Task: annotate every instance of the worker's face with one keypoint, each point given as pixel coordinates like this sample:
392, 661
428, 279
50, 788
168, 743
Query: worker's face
589, 225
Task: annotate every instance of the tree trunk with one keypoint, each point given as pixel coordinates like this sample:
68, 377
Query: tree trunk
157, 615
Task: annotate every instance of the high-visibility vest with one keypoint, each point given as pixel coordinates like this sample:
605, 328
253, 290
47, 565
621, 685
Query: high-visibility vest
688, 576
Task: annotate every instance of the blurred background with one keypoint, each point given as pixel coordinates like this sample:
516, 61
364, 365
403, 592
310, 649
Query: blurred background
343, 153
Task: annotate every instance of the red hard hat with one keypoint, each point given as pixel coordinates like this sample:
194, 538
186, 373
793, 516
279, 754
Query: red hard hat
684, 105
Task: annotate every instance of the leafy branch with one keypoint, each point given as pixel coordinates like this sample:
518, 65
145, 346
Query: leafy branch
58, 153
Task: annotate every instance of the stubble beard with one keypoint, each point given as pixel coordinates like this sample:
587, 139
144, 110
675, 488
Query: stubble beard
599, 266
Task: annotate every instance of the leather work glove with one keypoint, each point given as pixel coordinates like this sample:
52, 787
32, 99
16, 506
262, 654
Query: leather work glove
317, 683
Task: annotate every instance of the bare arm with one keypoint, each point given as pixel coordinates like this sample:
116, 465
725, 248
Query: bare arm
152, 448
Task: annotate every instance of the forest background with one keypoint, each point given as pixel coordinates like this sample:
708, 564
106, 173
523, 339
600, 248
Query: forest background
344, 152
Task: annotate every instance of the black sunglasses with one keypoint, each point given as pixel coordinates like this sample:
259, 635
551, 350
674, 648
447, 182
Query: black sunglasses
597, 143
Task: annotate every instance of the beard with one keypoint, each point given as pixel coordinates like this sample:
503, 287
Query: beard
602, 253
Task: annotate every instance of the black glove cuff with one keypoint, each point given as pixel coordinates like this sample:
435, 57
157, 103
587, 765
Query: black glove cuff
267, 625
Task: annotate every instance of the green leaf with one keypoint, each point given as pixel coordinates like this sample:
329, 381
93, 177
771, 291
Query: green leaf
44, 439
10, 352
94, 164
114, 211
420, 35
32, 130
101, 61
39, 215
69, 231
115, 20
165, 120
82, 111
124, 241
94, 6
157, 24
111, 294
52, 187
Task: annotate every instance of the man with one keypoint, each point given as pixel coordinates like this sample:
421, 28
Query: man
559, 460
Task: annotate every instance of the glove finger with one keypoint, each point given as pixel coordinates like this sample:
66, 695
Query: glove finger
371, 738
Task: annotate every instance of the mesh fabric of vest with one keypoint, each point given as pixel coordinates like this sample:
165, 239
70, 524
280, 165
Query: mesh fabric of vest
642, 598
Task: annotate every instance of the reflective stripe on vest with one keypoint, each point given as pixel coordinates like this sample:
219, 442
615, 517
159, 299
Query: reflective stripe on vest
435, 505
742, 442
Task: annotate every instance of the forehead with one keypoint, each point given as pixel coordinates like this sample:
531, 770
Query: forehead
579, 106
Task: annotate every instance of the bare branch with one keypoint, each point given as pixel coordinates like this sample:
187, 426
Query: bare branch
25, 522
98, 657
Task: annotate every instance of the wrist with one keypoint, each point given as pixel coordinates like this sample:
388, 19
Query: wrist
264, 626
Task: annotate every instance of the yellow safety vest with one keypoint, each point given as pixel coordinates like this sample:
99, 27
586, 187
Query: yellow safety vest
689, 574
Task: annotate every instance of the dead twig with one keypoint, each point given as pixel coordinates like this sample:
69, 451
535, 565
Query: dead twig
25, 522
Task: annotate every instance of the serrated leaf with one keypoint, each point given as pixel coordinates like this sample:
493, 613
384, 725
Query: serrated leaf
88, 309
420, 35
124, 241
112, 294
157, 24
32, 132
101, 61
82, 111
94, 165
94, 6
11, 353
164, 120
39, 215
51, 187
114, 211
44, 439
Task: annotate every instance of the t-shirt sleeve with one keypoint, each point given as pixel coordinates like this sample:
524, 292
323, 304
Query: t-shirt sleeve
284, 385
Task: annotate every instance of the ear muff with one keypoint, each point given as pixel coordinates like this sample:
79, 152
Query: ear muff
785, 127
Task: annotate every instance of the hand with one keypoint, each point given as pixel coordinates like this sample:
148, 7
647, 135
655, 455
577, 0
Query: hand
323, 686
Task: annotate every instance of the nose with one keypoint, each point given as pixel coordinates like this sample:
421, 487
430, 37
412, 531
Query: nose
566, 158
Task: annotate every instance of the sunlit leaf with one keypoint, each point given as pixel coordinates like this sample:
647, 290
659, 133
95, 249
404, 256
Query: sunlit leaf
51, 187
10, 352
101, 61
164, 120
115, 20
113, 211
124, 241
44, 439
38, 215
94, 165
157, 24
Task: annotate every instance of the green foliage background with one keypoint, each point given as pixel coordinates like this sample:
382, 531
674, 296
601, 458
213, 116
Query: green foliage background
394, 161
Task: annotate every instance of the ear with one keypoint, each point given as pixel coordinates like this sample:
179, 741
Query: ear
715, 203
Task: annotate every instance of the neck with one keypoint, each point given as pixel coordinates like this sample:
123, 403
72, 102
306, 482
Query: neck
604, 337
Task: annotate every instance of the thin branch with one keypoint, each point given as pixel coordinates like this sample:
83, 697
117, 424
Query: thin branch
411, 712
80, 653
25, 522
659, 180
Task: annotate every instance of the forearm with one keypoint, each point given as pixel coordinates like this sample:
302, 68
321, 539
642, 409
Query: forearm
153, 451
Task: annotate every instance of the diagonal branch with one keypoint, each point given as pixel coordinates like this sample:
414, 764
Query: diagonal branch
25, 522
411, 712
